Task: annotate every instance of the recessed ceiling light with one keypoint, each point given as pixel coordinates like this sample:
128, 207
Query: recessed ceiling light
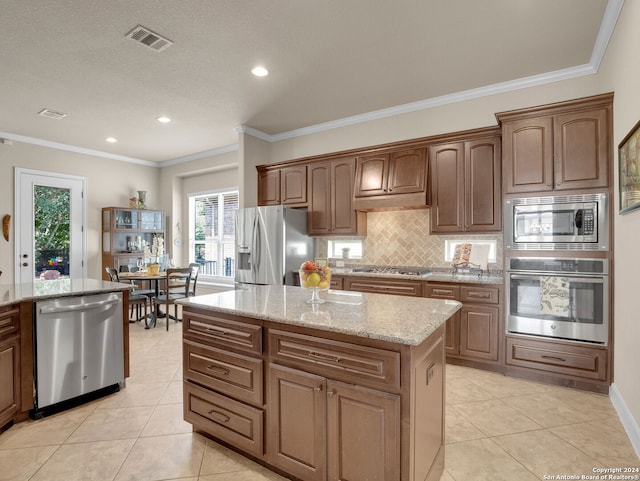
259, 71
111, 140
163, 120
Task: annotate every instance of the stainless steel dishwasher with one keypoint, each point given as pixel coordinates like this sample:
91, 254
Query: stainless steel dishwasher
79, 350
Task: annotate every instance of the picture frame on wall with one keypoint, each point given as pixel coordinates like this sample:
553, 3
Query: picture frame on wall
629, 170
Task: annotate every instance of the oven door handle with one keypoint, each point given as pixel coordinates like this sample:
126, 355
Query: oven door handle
574, 278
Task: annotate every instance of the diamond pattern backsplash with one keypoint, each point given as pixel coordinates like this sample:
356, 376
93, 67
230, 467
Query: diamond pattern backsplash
401, 238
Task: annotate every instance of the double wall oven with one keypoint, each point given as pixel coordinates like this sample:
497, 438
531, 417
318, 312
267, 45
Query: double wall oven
561, 297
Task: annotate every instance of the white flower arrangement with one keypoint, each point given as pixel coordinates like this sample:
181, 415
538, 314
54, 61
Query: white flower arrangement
156, 250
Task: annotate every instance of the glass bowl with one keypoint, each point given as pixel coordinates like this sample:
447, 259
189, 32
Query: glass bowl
315, 280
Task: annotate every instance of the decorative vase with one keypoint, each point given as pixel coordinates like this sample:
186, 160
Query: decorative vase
142, 199
153, 269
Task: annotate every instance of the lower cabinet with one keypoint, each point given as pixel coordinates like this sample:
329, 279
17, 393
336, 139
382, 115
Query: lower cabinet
320, 427
313, 404
474, 333
558, 361
9, 379
397, 287
10, 382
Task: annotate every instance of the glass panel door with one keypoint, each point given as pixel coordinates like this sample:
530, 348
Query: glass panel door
50, 213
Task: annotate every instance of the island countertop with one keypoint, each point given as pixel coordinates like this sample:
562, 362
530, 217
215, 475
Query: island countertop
399, 319
38, 290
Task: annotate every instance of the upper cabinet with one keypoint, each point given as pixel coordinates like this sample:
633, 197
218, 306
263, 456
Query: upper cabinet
331, 197
283, 186
465, 183
561, 146
391, 179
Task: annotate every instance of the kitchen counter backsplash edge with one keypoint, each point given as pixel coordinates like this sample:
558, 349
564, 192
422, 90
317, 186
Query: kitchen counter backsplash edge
492, 276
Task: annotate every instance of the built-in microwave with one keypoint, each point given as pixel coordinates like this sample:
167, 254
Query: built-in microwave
573, 222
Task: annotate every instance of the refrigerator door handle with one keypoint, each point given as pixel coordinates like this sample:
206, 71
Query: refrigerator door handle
256, 251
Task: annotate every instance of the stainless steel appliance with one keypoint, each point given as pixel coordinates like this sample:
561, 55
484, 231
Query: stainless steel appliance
271, 243
575, 222
559, 298
79, 349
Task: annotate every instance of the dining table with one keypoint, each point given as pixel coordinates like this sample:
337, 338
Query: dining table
154, 284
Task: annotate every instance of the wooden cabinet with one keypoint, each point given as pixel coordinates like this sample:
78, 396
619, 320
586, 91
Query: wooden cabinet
316, 405
10, 380
283, 186
324, 429
451, 292
125, 232
391, 179
474, 334
400, 287
331, 210
563, 362
269, 187
562, 146
465, 186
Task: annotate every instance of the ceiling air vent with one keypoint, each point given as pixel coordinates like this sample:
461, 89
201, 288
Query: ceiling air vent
52, 114
150, 39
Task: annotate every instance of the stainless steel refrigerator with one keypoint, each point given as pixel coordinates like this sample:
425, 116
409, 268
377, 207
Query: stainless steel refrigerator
271, 243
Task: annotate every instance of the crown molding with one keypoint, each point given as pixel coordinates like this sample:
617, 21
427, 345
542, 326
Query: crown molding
608, 25
199, 155
73, 148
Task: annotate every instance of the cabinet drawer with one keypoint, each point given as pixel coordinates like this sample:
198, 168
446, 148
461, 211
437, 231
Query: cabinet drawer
578, 361
223, 332
224, 418
386, 286
336, 283
442, 291
233, 374
485, 295
366, 366
9, 320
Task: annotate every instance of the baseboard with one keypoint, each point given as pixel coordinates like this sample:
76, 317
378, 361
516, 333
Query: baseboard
629, 423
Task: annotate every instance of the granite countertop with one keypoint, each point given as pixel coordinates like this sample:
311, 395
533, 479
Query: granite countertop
14, 293
399, 319
435, 276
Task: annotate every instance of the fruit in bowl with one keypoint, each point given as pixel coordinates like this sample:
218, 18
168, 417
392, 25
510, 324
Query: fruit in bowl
314, 275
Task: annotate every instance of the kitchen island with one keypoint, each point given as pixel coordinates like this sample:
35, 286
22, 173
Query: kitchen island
17, 350
352, 388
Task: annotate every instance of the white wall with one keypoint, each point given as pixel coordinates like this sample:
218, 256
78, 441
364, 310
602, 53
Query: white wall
178, 181
109, 183
619, 72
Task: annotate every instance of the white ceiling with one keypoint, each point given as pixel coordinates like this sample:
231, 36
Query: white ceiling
328, 60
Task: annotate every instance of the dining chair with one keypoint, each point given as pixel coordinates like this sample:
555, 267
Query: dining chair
176, 287
136, 299
195, 270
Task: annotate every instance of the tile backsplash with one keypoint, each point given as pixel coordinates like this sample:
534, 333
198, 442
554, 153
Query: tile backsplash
401, 238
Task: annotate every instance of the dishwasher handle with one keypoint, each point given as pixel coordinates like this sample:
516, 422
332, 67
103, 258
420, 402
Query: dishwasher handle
78, 307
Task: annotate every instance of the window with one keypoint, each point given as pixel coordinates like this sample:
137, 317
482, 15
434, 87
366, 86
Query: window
212, 232
335, 249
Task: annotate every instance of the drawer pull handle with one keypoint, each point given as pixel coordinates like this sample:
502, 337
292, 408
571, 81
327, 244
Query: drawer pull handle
554, 358
481, 295
218, 370
223, 416
442, 292
323, 357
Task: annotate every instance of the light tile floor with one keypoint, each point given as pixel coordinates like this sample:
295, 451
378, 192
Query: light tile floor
497, 428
